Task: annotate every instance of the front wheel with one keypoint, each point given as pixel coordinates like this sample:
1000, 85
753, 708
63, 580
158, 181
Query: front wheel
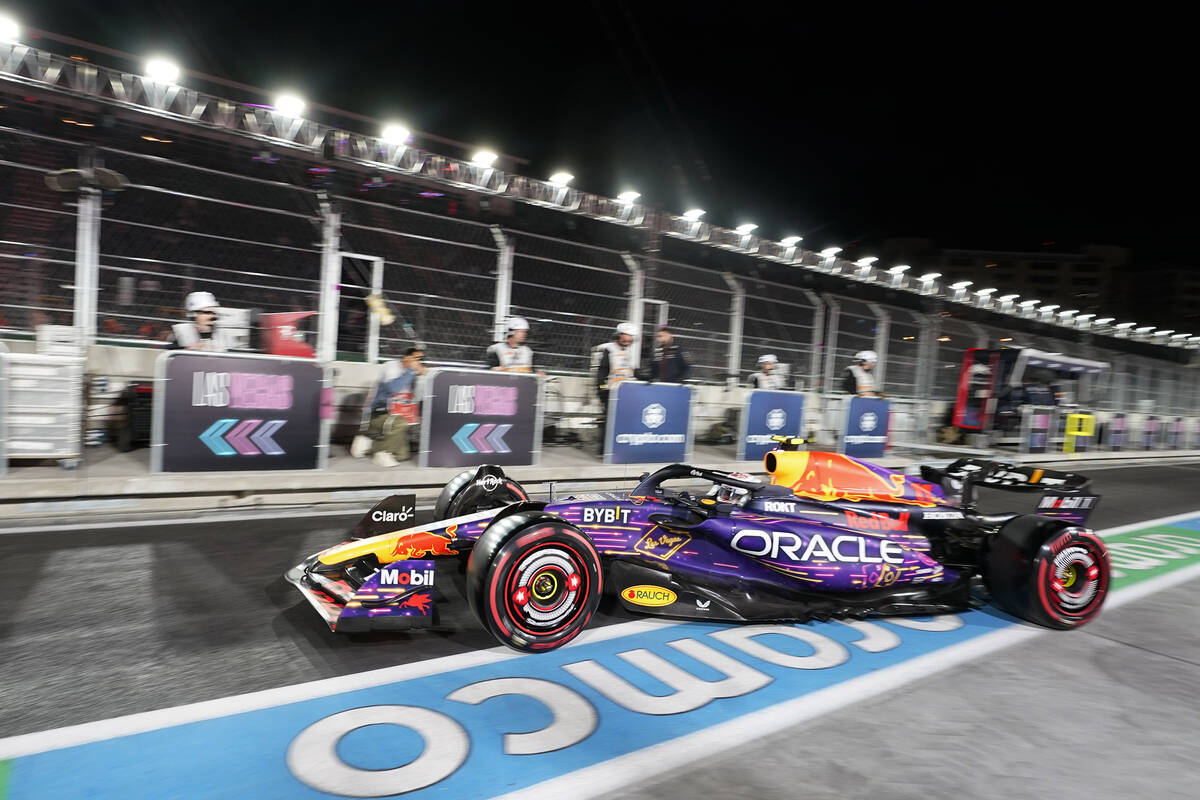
534, 581
475, 490
1048, 573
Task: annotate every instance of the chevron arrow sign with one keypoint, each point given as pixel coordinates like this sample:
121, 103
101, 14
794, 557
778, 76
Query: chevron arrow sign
475, 438
249, 437
462, 438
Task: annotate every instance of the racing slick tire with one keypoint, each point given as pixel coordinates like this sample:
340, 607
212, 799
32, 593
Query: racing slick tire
1047, 572
477, 489
534, 581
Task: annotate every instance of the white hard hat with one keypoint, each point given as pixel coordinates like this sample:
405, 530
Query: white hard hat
198, 300
866, 355
517, 324
768, 359
627, 328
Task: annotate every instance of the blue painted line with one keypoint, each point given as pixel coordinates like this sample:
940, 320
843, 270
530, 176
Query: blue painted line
728, 672
244, 754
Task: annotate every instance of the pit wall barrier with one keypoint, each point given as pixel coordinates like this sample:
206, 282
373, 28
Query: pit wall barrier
1051, 429
222, 412
570, 402
473, 416
41, 407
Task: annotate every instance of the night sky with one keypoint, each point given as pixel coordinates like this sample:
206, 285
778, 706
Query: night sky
998, 126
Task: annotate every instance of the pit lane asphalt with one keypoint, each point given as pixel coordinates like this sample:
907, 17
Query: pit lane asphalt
104, 622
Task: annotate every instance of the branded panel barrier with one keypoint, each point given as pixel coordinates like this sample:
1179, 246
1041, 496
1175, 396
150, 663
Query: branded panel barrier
1078, 432
1150, 430
768, 413
906, 422
43, 409
649, 422
865, 427
218, 412
478, 416
1116, 437
1037, 423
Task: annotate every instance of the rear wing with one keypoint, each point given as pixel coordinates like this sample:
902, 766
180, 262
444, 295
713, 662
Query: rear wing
1064, 494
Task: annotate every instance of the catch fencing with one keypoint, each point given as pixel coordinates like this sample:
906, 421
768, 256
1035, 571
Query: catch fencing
264, 243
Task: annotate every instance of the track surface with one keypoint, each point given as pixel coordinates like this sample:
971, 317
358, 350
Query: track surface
114, 621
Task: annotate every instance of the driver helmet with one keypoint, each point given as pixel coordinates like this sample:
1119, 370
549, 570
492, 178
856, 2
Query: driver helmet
724, 493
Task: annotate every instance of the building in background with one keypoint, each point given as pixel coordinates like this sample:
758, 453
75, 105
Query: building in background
1093, 280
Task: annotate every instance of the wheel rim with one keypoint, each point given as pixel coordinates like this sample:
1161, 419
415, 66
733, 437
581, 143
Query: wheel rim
547, 589
1073, 577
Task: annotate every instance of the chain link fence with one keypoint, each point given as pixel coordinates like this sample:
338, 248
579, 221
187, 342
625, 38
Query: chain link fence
179, 228
257, 243
699, 307
572, 295
439, 280
37, 232
782, 321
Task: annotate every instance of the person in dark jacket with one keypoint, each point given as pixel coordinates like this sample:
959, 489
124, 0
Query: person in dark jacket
668, 364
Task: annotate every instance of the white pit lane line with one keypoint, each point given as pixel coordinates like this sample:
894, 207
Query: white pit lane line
609, 775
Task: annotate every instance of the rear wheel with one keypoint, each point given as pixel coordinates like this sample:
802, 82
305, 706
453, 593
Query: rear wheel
475, 490
534, 581
1047, 572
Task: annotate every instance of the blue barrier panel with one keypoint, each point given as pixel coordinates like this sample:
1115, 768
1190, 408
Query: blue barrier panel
649, 422
768, 413
865, 428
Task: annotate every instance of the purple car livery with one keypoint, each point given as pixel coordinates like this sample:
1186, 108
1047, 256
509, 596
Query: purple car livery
829, 537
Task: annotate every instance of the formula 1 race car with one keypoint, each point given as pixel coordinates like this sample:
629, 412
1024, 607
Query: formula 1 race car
830, 536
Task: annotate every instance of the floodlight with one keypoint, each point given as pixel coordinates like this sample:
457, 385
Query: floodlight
830, 252
395, 133
561, 179
290, 105
10, 31
161, 70
746, 229
791, 241
693, 214
484, 158
628, 197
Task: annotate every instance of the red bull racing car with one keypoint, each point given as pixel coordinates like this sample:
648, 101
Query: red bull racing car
829, 536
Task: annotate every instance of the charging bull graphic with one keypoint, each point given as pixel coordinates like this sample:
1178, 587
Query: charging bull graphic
833, 476
421, 545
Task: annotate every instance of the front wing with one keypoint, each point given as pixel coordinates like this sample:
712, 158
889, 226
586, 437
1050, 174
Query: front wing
398, 596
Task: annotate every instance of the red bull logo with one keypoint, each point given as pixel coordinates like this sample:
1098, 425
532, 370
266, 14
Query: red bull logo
867, 521
833, 476
422, 544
